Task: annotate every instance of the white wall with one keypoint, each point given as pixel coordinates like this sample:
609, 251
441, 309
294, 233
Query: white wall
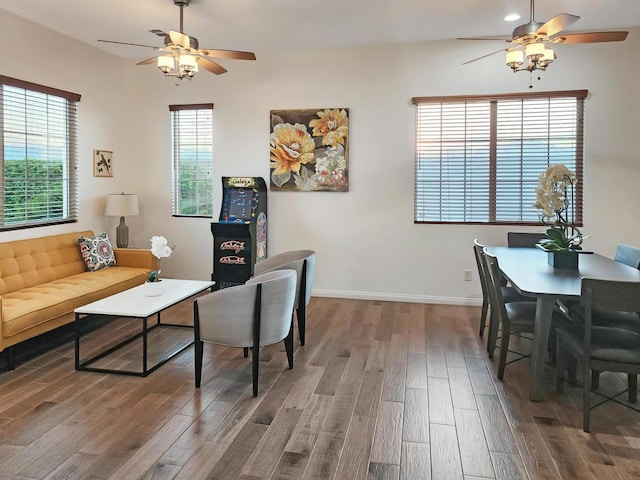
367, 243
48, 58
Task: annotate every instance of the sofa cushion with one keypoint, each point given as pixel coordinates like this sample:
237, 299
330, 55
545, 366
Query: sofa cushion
35, 305
30, 262
97, 252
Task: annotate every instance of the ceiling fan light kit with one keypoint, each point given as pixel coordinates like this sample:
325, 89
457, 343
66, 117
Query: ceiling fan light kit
538, 55
181, 55
180, 66
529, 48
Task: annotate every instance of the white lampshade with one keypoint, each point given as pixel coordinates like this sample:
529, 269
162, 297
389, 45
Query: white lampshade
515, 58
548, 55
535, 50
165, 63
122, 205
188, 63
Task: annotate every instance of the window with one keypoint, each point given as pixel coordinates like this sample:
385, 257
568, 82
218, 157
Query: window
38, 140
192, 133
478, 158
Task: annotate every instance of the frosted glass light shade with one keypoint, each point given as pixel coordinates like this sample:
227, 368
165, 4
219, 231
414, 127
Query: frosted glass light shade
165, 63
535, 50
188, 63
515, 58
548, 55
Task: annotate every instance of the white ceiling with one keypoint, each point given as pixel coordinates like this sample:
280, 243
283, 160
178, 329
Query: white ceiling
263, 25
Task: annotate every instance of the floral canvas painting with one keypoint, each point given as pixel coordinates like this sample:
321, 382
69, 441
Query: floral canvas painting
310, 150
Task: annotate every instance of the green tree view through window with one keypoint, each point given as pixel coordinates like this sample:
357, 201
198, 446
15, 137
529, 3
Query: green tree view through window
38, 137
34, 190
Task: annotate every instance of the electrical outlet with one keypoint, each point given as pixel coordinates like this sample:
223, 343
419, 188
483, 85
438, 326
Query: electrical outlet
467, 275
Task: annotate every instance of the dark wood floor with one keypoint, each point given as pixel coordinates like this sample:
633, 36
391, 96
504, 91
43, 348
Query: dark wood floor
382, 390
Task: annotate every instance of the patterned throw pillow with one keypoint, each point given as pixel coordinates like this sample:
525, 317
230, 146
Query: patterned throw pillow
97, 252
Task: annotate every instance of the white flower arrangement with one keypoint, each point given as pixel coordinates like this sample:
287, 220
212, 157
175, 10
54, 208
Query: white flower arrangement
160, 249
555, 187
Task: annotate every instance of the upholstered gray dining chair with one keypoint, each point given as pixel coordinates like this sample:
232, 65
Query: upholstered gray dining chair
304, 263
514, 317
252, 315
627, 255
601, 348
509, 294
630, 320
524, 239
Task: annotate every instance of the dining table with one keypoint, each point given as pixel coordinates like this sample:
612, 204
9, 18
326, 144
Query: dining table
529, 272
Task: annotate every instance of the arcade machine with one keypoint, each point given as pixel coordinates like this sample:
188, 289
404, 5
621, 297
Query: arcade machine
240, 235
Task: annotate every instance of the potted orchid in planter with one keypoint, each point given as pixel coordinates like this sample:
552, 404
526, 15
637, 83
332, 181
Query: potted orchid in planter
554, 194
160, 249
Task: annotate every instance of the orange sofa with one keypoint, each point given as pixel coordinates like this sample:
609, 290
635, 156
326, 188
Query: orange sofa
42, 280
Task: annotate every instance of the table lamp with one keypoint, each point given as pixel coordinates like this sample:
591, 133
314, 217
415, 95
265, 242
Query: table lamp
121, 205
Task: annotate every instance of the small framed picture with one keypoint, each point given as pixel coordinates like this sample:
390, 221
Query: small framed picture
102, 163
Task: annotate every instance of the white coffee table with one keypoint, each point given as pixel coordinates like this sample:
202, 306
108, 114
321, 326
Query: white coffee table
135, 304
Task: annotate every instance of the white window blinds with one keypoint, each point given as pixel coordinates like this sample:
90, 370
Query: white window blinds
192, 156
38, 136
478, 159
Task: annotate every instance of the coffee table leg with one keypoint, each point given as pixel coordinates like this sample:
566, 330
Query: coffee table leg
77, 335
144, 346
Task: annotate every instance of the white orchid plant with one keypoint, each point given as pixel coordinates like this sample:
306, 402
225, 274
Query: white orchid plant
160, 249
553, 197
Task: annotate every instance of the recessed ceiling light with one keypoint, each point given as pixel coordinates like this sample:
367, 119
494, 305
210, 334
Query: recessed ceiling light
512, 17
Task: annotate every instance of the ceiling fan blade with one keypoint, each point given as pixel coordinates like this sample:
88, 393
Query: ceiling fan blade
158, 32
557, 24
485, 56
178, 38
127, 43
235, 54
210, 65
590, 37
148, 61
503, 39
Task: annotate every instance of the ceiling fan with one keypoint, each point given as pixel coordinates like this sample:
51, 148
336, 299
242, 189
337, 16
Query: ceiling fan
530, 41
181, 55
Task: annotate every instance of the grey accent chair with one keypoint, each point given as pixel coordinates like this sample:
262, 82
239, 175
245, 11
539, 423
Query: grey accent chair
252, 315
601, 348
515, 317
509, 294
524, 239
304, 263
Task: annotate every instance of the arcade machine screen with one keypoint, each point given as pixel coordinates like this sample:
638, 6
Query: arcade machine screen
240, 204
